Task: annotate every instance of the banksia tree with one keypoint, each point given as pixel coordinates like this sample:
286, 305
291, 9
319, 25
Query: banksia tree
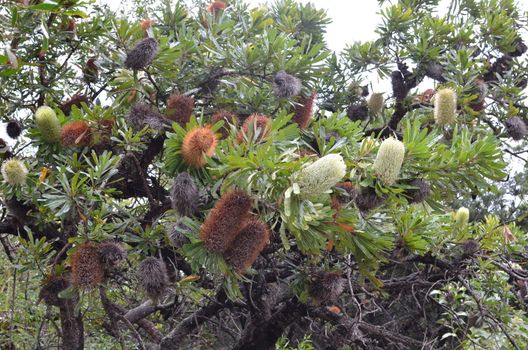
516, 128
258, 125
14, 172
445, 105
152, 277
223, 223
180, 108
13, 129
87, 270
304, 111
389, 160
286, 85
376, 103
185, 195
142, 54
247, 245
48, 124
320, 176
198, 144
76, 133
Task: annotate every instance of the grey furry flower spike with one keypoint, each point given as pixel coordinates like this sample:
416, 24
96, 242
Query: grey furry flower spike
152, 276
516, 128
142, 54
185, 196
420, 193
286, 85
142, 114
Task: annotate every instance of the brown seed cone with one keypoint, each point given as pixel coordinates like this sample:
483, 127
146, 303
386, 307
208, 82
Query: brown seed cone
326, 287
261, 121
51, 287
180, 108
247, 246
227, 117
198, 143
223, 223
304, 111
87, 271
76, 133
75, 100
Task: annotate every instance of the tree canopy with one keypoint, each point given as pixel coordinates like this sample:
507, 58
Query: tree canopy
209, 175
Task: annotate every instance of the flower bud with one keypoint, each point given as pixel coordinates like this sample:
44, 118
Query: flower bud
48, 124
321, 175
462, 217
304, 111
445, 104
389, 160
14, 172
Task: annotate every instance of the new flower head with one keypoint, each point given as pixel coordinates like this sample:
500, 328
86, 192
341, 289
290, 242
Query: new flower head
389, 160
286, 85
48, 124
321, 175
76, 133
198, 144
376, 103
142, 54
256, 124
445, 105
152, 276
180, 108
462, 217
516, 128
14, 172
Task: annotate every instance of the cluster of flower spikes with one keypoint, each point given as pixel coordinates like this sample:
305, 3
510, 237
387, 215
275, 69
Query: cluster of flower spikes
91, 263
230, 230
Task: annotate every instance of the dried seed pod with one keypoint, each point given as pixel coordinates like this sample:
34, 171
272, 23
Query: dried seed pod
223, 223
304, 111
19, 210
14, 172
180, 108
420, 193
87, 271
367, 199
177, 235
516, 128
321, 175
142, 114
286, 85
357, 112
142, 54
445, 104
198, 144
76, 133
227, 117
48, 124
90, 71
247, 246
13, 129
112, 254
259, 124
185, 196
153, 279
389, 160
51, 287
326, 287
